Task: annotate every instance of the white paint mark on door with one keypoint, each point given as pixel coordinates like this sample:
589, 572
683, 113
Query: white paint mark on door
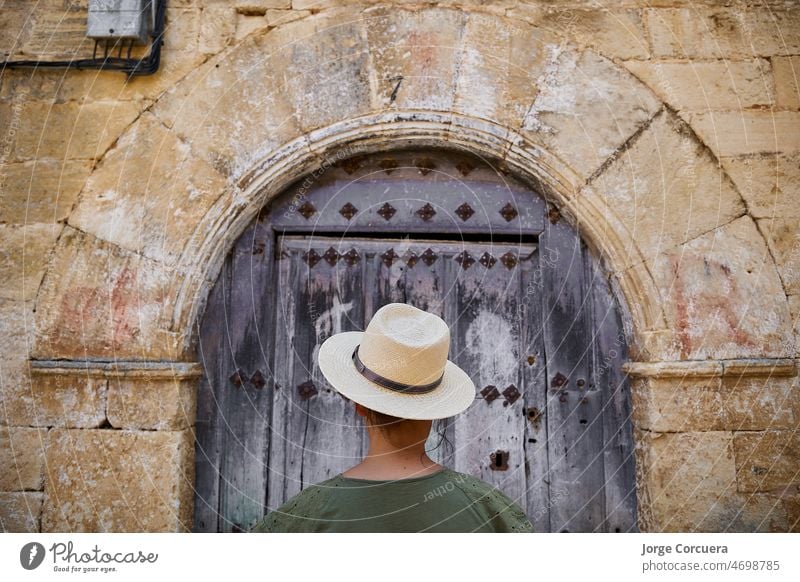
490, 342
328, 323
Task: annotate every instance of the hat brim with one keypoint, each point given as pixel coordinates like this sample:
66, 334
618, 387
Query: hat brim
453, 395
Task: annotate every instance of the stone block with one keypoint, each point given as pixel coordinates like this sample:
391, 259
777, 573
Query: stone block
24, 252
689, 485
149, 193
22, 458
245, 114
706, 86
767, 461
20, 511
249, 24
102, 300
500, 62
586, 108
42, 400
769, 183
326, 77
415, 56
714, 403
42, 190
182, 29
141, 481
65, 130
16, 17
51, 30
720, 32
16, 329
786, 71
154, 404
739, 133
217, 28
666, 189
614, 33
720, 304
794, 310
783, 238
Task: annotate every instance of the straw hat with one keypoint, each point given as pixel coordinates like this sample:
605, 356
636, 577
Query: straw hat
398, 365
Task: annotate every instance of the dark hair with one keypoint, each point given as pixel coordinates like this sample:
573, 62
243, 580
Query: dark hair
385, 422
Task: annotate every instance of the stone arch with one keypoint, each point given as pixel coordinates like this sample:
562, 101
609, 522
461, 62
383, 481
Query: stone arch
142, 247
275, 105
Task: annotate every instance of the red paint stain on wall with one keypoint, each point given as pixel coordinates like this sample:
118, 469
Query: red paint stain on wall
712, 304
423, 56
91, 313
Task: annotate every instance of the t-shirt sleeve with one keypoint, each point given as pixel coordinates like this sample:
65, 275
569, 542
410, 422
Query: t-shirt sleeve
296, 515
507, 516
500, 512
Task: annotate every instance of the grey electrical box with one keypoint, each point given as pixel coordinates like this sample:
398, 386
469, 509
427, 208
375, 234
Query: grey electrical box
120, 19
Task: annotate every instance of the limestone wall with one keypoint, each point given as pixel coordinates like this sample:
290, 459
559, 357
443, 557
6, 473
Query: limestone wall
667, 130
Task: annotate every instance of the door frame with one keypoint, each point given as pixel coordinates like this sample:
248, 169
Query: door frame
291, 214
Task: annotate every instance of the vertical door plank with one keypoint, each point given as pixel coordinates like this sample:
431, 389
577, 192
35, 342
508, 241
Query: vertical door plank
574, 405
610, 353
302, 339
333, 437
208, 445
384, 282
532, 370
247, 406
487, 346
425, 289
281, 468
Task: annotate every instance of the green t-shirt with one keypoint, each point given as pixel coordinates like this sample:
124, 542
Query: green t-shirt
446, 501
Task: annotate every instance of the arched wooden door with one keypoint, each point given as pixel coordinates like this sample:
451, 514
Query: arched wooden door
532, 320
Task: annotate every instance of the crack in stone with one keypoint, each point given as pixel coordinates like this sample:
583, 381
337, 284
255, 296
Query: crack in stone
625, 146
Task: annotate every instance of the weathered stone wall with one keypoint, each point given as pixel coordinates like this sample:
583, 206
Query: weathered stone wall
667, 130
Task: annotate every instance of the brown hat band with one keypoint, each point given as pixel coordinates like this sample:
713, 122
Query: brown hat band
391, 384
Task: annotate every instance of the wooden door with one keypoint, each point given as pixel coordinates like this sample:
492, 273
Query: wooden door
336, 285
532, 321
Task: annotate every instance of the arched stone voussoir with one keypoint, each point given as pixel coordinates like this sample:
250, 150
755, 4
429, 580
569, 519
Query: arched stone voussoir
415, 55
149, 193
101, 301
234, 109
586, 108
722, 296
502, 63
322, 66
664, 188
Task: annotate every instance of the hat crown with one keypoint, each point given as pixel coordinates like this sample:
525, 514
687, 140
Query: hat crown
405, 344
